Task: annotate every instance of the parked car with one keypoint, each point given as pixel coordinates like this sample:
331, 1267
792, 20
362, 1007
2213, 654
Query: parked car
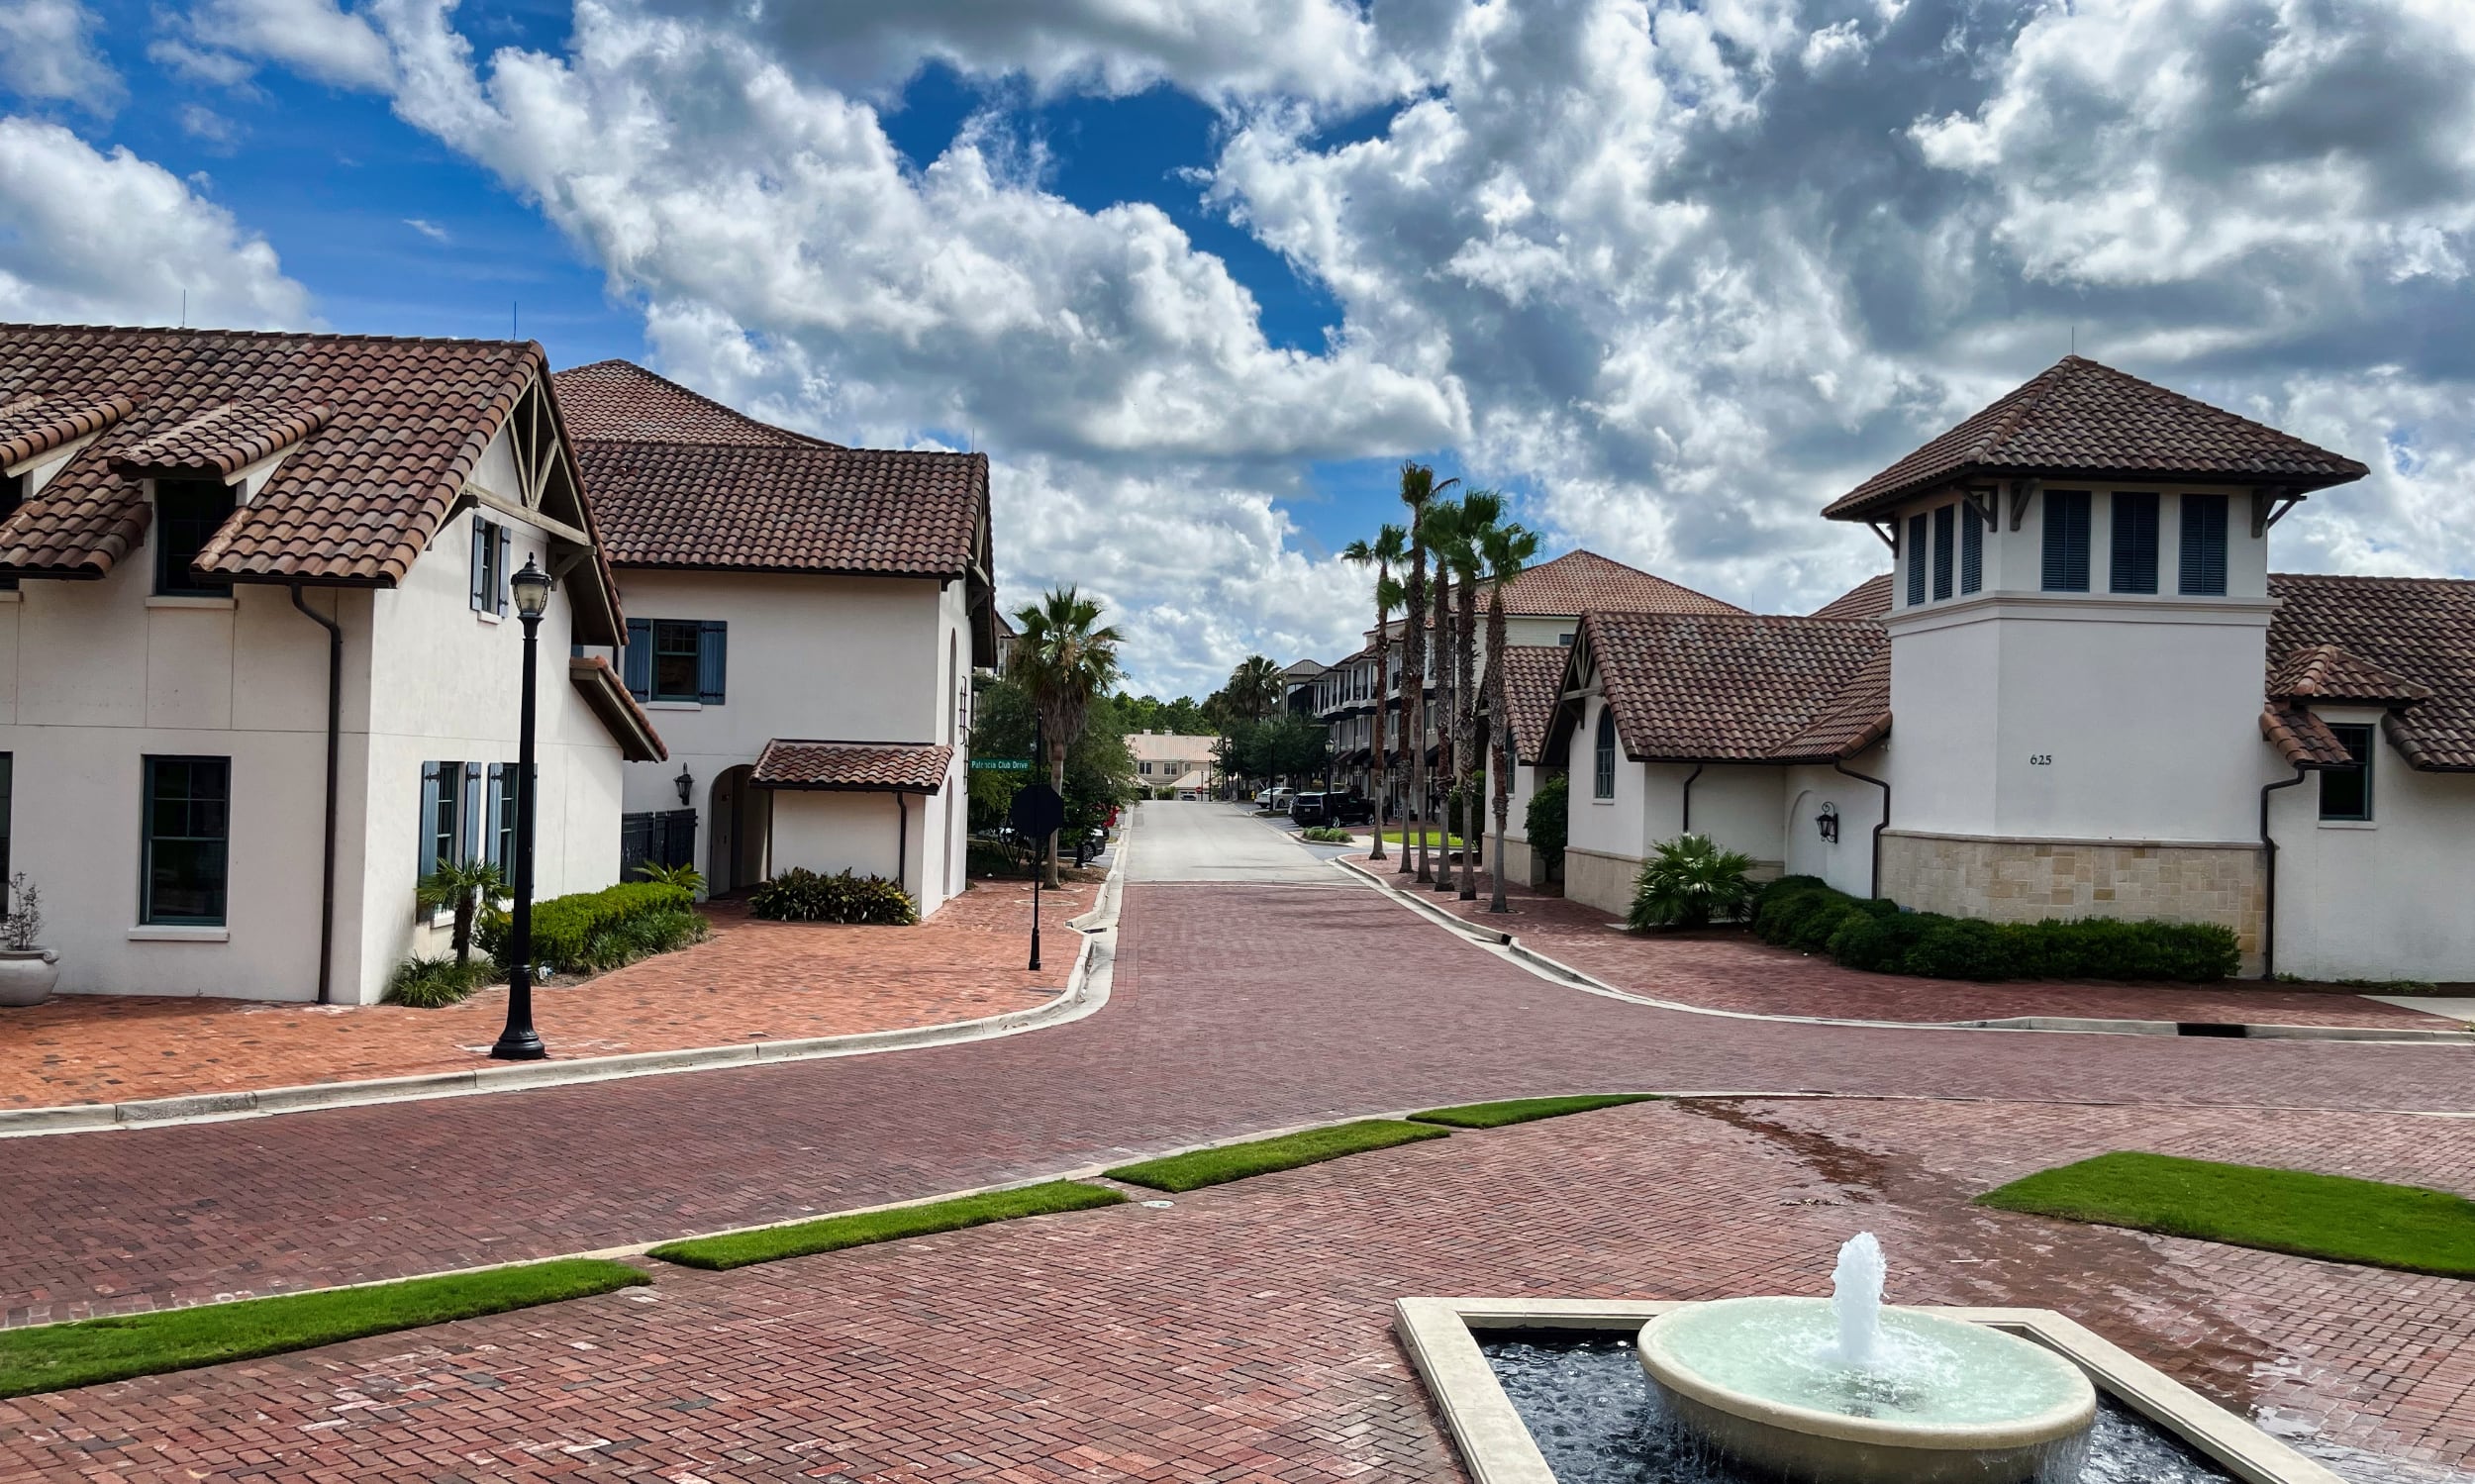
1350, 809
1278, 798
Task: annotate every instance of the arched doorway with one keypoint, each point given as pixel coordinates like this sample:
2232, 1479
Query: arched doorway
736, 817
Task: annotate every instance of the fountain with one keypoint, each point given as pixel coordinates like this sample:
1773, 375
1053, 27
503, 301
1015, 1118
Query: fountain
1843, 1390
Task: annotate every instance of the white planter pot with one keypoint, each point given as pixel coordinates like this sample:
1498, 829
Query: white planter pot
27, 976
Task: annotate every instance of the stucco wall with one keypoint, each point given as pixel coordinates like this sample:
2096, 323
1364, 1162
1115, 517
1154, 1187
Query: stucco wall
835, 832
1847, 863
2019, 880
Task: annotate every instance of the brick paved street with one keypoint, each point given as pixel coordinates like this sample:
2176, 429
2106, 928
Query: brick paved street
753, 980
1244, 1333
1725, 968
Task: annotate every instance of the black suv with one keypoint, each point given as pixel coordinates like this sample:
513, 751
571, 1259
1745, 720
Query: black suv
1309, 809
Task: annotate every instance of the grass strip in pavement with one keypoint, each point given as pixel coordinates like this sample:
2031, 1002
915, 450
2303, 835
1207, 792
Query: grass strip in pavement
83, 1353
1522, 1109
2329, 1217
833, 1233
1263, 1157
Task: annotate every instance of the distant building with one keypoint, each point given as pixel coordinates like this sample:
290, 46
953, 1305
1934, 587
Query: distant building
1165, 761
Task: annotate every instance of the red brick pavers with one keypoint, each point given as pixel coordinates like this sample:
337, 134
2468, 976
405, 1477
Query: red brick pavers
753, 980
1727, 969
1236, 1008
1244, 1333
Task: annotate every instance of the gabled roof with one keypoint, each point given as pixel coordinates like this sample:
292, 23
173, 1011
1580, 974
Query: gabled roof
2379, 642
853, 767
1579, 581
383, 434
1304, 670
1870, 599
1533, 676
619, 399
2079, 419
1733, 687
2301, 737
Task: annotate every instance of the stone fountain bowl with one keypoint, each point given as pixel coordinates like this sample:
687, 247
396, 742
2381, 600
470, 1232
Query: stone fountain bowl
1948, 1402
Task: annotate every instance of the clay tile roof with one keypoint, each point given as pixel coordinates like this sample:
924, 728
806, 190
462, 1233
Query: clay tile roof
1533, 676
607, 695
2301, 738
31, 426
1739, 687
355, 501
872, 768
1870, 599
1579, 581
221, 440
621, 400
2393, 637
2079, 419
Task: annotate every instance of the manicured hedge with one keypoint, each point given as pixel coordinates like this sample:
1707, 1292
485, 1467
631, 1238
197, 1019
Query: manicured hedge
1801, 912
800, 895
597, 930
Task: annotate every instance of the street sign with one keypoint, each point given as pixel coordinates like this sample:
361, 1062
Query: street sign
1000, 765
1038, 811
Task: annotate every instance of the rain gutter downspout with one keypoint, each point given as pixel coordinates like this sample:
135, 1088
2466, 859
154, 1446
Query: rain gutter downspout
335, 737
1688, 795
2268, 874
1873, 886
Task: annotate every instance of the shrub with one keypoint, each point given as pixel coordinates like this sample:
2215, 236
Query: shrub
1689, 882
687, 876
581, 933
1801, 912
800, 895
1544, 821
1326, 834
436, 983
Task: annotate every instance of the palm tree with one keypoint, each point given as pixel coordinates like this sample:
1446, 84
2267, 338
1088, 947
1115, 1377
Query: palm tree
1065, 658
462, 887
1447, 526
1255, 688
1385, 553
1481, 514
1507, 549
1418, 490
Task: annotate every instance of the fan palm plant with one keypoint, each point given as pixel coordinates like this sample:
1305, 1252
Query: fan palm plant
1689, 882
1254, 687
1447, 524
1508, 549
463, 888
1481, 513
1064, 658
1386, 551
1418, 490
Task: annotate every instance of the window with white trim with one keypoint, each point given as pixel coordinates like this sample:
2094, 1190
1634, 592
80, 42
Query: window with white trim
1603, 774
2347, 791
487, 592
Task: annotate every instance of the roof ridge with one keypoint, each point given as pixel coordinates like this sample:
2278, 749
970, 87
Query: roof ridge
2026, 399
361, 336
620, 362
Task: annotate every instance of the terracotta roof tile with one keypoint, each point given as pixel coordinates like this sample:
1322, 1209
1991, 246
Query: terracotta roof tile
31, 426
622, 401
2301, 738
1579, 581
357, 501
1739, 687
2394, 635
782, 508
2079, 419
608, 697
1870, 599
877, 767
1533, 676
220, 441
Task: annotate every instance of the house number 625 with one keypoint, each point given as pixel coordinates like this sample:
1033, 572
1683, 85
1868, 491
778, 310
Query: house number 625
2040, 760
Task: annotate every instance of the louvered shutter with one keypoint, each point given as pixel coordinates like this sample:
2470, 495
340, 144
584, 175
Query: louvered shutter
1971, 549
1916, 560
480, 594
469, 835
499, 569
639, 659
425, 838
2067, 541
2202, 560
712, 660
2133, 564
1944, 534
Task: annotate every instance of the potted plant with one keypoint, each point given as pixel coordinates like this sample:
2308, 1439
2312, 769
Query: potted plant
26, 972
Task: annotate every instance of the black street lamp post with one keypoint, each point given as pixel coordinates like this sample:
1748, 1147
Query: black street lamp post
519, 1041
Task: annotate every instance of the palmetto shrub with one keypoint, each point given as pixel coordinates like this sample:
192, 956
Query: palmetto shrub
436, 983
1801, 912
800, 895
1689, 882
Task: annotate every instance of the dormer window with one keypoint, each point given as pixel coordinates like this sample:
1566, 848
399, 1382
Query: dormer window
187, 514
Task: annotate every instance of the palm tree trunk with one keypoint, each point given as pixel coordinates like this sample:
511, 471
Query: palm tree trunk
1501, 723
1445, 760
1414, 709
463, 929
1471, 758
1375, 744
1056, 780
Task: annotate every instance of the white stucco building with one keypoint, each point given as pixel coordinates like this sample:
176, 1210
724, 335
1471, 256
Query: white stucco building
2082, 692
1166, 762
803, 622
198, 525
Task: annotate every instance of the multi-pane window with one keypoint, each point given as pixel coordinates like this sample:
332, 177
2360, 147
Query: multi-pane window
490, 549
186, 848
1971, 549
187, 514
2202, 558
1916, 560
2067, 541
2131, 564
2347, 792
676, 660
451, 815
1603, 778
1944, 535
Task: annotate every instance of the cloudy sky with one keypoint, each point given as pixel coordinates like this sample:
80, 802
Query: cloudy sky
1199, 274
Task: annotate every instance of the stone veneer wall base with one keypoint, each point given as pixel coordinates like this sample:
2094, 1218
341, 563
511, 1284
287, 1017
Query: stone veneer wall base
2023, 880
1598, 879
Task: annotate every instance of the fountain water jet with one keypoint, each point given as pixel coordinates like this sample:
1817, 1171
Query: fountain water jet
1842, 1391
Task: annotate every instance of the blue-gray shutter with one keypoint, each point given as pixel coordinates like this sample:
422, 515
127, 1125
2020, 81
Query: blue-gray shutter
424, 839
638, 661
2203, 560
1971, 549
1916, 560
2133, 568
712, 660
468, 835
490, 793
499, 569
1945, 531
2067, 541
480, 594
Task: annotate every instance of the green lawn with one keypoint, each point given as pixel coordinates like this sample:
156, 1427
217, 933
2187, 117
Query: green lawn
54, 1357
1393, 837
1522, 1109
2404, 1226
833, 1233
1235, 1161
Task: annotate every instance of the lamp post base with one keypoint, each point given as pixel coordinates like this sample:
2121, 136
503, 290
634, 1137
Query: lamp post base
522, 1045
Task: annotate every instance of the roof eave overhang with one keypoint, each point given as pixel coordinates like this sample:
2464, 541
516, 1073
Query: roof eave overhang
617, 711
775, 569
1871, 506
846, 788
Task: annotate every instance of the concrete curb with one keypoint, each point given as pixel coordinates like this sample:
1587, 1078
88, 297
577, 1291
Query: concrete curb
1086, 991
1506, 945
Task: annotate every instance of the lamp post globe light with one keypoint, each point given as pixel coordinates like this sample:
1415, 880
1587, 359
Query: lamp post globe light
530, 589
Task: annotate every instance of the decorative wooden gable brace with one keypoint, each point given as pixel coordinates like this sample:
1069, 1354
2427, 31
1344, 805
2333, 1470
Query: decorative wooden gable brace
551, 498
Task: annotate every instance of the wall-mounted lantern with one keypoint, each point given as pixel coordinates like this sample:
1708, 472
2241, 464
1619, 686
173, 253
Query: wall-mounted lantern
1827, 822
687, 785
